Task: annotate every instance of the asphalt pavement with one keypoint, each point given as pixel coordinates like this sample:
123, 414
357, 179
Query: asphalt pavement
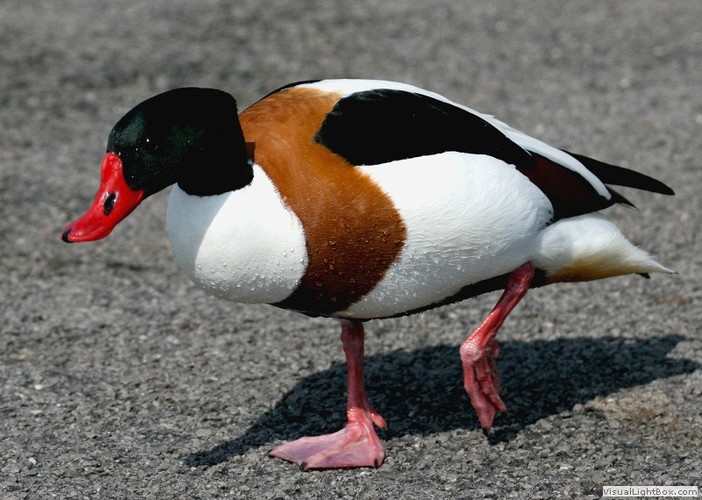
119, 379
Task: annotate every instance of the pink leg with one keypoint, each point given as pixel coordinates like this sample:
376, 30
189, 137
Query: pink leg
478, 352
357, 444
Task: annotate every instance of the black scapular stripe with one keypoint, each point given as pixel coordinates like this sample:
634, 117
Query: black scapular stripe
378, 126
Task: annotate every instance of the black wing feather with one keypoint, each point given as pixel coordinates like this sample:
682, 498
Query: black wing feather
620, 176
383, 125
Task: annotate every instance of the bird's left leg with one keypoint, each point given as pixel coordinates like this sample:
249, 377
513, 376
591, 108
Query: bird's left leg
478, 352
357, 444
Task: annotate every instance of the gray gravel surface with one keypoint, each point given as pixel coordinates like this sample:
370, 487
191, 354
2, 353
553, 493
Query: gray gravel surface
120, 380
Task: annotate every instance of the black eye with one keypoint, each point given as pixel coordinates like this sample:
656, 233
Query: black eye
109, 203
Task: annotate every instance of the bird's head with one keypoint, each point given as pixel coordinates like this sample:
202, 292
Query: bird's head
190, 136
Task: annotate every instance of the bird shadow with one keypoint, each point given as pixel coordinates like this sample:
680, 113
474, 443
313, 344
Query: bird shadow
421, 392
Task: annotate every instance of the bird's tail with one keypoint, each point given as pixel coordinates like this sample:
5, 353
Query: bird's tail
590, 247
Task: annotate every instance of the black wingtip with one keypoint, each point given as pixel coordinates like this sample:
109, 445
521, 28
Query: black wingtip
620, 176
64, 235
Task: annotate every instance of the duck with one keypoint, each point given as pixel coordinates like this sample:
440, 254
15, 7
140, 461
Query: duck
365, 199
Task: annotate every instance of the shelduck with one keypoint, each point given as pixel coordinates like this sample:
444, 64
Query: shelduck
360, 199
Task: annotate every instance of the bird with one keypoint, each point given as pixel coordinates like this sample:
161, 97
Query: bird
365, 199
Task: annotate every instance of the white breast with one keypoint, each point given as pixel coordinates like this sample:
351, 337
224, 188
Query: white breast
244, 246
468, 217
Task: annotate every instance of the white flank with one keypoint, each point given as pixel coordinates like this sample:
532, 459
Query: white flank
244, 246
468, 217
